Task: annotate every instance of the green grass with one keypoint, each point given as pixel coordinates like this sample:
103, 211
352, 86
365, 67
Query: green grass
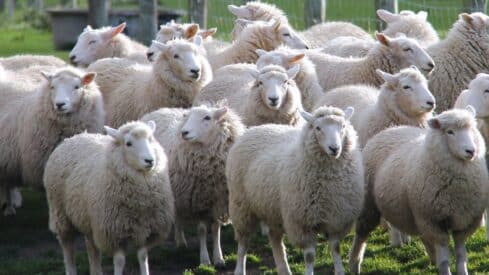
21, 39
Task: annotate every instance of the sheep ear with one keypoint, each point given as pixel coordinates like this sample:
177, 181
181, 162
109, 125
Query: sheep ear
260, 52
382, 38
239, 11
423, 15
292, 72
88, 78
112, 132
162, 47
434, 123
296, 57
116, 30
219, 113
471, 110
467, 18
191, 31
87, 28
387, 77
276, 25
198, 40
387, 16
152, 125
349, 112
307, 116
47, 76
208, 32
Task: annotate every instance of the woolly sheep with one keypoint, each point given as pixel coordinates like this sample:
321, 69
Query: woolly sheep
409, 187
22, 61
67, 103
175, 78
266, 96
306, 80
319, 34
259, 35
115, 190
287, 176
94, 44
254, 11
16, 83
201, 140
459, 57
347, 46
404, 99
389, 55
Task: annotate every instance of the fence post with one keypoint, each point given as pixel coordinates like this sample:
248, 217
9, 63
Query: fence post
197, 10
314, 12
390, 5
11, 8
2, 5
148, 20
475, 5
97, 13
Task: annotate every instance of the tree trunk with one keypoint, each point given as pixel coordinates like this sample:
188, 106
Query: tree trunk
314, 12
97, 13
475, 5
390, 5
148, 20
197, 9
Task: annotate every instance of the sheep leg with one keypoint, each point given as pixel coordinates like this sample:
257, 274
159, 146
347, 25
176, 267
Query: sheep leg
204, 253
93, 257
430, 249
397, 238
179, 235
334, 245
309, 257
442, 259
460, 255
9, 208
119, 262
278, 249
486, 218
68, 247
241, 257
217, 257
143, 261
16, 197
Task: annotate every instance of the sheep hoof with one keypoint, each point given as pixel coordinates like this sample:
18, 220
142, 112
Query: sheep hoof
220, 264
9, 210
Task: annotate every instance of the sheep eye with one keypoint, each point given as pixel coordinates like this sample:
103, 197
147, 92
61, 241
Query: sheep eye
128, 144
486, 91
207, 118
318, 128
91, 42
176, 56
450, 132
77, 87
286, 34
406, 87
407, 49
260, 83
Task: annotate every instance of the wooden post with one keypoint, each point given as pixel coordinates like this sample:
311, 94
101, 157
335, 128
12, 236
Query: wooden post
147, 20
197, 9
2, 5
97, 13
11, 8
314, 12
475, 5
390, 5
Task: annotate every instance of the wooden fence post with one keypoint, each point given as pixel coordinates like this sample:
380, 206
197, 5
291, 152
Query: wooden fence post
148, 20
11, 8
2, 5
97, 13
197, 10
314, 12
475, 5
390, 5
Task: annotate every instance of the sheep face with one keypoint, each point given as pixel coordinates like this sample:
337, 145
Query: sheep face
478, 23
477, 96
66, 90
280, 58
137, 144
329, 128
291, 38
201, 124
172, 31
273, 86
406, 52
184, 58
457, 132
91, 44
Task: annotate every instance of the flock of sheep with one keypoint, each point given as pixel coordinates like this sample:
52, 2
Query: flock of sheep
297, 133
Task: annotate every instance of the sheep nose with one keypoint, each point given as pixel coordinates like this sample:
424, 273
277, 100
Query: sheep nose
195, 71
149, 162
60, 105
333, 149
72, 57
470, 152
273, 100
430, 103
431, 65
307, 48
149, 55
184, 133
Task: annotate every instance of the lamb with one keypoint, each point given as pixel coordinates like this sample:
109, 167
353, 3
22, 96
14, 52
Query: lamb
459, 57
200, 140
404, 99
94, 44
259, 35
389, 55
67, 103
266, 96
306, 80
115, 190
319, 34
287, 176
407, 185
175, 78
22, 61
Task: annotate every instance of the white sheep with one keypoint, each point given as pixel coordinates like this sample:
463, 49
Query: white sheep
173, 80
68, 102
306, 80
115, 190
320, 34
22, 61
269, 95
347, 46
428, 182
404, 99
94, 44
200, 140
459, 57
389, 55
298, 181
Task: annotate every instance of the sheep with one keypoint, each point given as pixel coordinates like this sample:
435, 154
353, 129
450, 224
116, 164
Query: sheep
175, 78
459, 57
94, 44
200, 140
298, 181
113, 189
16, 83
404, 99
319, 34
347, 46
428, 182
389, 55
306, 80
22, 61
259, 35
266, 96
254, 11
66, 103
